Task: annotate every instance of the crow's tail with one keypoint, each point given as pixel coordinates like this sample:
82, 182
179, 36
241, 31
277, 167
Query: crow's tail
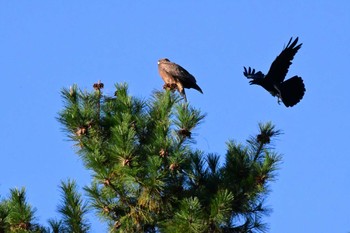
292, 91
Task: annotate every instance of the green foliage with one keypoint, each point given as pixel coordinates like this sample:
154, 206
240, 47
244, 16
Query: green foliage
16, 215
146, 174
72, 209
57, 226
4, 212
189, 218
148, 178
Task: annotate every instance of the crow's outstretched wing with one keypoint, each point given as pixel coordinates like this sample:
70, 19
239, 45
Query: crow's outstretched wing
280, 65
292, 91
250, 73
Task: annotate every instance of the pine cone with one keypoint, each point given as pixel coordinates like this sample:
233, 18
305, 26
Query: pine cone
106, 209
107, 182
82, 130
261, 179
126, 162
170, 86
263, 138
163, 153
173, 166
98, 86
184, 133
117, 225
23, 225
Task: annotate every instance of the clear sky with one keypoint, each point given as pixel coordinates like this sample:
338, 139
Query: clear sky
48, 45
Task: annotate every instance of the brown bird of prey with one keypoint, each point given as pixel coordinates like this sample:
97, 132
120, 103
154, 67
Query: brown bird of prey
176, 77
291, 91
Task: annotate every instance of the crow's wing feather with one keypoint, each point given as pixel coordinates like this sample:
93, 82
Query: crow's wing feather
250, 73
280, 65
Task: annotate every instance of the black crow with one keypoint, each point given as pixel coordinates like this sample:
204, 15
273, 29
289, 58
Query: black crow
291, 91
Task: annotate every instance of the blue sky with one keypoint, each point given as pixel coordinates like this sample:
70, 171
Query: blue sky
48, 45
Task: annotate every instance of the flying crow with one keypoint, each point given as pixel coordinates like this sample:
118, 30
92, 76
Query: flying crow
291, 91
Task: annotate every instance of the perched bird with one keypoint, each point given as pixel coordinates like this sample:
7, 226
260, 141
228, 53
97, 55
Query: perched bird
176, 77
291, 91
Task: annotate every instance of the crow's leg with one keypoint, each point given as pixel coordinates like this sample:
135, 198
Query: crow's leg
279, 95
279, 100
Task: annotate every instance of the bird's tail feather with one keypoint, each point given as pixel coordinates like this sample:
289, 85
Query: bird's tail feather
292, 91
195, 86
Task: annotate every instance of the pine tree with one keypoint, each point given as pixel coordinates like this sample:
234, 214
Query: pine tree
72, 209
146, 175
16, 215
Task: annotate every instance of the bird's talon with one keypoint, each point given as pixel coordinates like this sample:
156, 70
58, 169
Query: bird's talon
170, 87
